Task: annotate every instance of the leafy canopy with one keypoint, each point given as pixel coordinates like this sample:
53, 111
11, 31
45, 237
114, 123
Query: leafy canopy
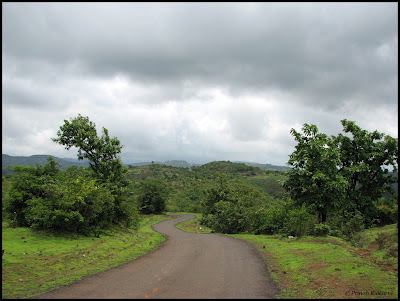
342, 173
102, 152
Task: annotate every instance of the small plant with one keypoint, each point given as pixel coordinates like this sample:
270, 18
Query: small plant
392, 252
381, 240
354, 225
322, 230
336, 233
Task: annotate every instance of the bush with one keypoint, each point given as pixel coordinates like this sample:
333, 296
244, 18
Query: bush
28, 182
151, 197
230, 207
354, 224
75, 205
322, 230
336, 233
382, 240
299, 222
268, 220
46, 198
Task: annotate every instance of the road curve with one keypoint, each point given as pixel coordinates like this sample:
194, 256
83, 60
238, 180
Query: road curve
187, 265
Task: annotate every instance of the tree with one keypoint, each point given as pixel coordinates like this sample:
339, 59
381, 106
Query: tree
314, 179
102, 152
364, 162
331, 173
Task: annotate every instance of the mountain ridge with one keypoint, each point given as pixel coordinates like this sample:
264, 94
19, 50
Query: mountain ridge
66, 162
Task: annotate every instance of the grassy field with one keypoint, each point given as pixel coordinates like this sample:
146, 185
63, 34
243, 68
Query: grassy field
327, 267
36, 262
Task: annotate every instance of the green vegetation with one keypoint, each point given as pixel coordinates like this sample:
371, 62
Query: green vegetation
342, 175
102, 152
324, 267
36, 262
186, 187
76, 200
7, 160
151, 196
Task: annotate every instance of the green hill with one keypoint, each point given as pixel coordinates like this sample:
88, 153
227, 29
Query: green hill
7, 160
185, 186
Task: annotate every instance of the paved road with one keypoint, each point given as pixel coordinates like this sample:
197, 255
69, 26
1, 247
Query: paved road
187, 265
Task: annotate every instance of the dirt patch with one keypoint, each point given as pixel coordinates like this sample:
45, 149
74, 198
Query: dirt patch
331, 286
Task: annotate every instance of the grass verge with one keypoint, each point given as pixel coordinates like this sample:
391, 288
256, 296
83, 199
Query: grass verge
36, 262
192, 225
326, 267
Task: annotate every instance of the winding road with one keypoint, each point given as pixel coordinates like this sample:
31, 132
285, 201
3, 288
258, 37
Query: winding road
187, 265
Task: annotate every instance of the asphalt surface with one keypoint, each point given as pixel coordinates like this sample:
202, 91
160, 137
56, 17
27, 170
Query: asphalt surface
186, 266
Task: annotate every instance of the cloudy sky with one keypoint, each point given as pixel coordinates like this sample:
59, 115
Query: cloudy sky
196, 81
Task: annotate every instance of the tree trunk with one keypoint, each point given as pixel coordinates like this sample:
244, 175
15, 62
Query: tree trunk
322, 216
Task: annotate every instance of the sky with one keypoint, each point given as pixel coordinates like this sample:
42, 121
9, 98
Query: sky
199, 82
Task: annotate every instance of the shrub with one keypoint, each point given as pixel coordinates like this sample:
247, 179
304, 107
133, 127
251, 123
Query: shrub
382, 240
322, 230
336, 233
46, 198
299, 222
76, 205
354, 224
231, 207
269, 220
151, 197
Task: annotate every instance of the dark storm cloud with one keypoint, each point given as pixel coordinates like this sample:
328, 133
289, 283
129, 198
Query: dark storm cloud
324, 52
242, 73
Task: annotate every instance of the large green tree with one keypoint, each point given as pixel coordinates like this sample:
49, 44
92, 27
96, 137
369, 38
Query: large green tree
314, 179
104, 161
102, 152
365, 159
346, 173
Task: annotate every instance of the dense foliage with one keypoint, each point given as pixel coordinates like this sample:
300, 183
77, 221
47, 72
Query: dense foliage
102, 152
344, 178
47, 198
151, 196
77, 200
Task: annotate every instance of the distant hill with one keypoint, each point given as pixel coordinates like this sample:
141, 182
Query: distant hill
266, 166
66, 162
7, 160
173, 163
184, 164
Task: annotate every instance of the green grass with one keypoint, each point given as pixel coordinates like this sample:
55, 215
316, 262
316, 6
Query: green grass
192, 225
312, 267
323, 267
36, 262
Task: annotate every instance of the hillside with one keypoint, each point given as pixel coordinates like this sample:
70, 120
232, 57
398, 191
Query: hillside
186, 186
268, 166
174, 163
7, 160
